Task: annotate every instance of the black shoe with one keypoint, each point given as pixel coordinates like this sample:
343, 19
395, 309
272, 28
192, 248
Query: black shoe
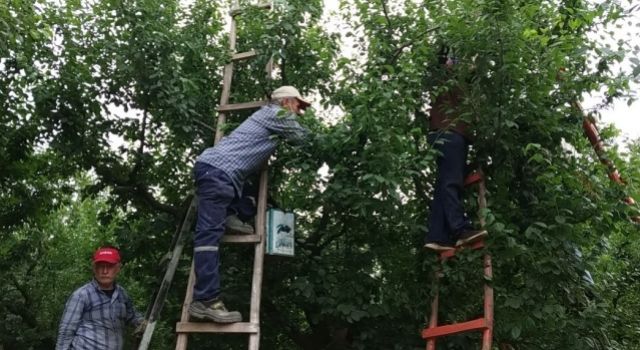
437, 246
470, 236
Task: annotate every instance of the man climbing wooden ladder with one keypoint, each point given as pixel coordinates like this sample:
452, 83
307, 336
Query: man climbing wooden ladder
200, 308
285, 98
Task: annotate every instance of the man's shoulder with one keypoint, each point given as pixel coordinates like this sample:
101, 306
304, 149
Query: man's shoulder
84, 290
267, 110
120, 288
122, 292
87, 286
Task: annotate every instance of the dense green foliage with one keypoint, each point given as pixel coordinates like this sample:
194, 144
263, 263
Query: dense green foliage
105, 104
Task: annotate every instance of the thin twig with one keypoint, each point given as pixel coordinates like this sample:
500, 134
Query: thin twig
398, 51
204, 125
386, 15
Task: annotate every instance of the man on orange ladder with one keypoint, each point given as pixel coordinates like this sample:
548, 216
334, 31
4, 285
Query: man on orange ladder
220, 173
448, 224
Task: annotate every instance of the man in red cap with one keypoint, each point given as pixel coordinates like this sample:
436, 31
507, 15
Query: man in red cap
220, 173
95, 315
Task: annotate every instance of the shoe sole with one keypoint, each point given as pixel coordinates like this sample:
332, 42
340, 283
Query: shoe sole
233, 318
471, 239
238, 231
438, 248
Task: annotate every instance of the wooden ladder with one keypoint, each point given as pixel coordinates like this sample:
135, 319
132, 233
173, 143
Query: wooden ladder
252, 327
484, 323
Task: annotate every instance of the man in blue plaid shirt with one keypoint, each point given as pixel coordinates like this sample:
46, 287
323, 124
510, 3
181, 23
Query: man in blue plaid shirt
220, 173
96, 314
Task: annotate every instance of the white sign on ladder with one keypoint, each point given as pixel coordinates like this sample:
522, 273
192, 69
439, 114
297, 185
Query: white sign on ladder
280, 232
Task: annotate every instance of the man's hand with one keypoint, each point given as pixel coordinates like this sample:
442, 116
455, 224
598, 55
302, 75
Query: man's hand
139, 331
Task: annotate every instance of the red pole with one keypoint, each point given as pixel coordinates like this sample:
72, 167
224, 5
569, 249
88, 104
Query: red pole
433, 320
593, 135
487, 334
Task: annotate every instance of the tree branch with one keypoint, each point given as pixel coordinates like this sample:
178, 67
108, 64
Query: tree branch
143, 194
142, 138
330, 239
283, 66
386, 16
116, 176
399, 49
204, 125
22, 310
421, 190
322, 227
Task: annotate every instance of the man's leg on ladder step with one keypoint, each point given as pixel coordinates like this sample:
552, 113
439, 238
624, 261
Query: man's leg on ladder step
215, 193
439, 236
451, 170
239, 212
451, 167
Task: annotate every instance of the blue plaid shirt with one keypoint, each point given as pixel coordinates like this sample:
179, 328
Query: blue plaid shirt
94, 321
253, 142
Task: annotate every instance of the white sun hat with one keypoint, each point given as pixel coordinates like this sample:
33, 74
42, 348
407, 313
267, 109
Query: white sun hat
289, 91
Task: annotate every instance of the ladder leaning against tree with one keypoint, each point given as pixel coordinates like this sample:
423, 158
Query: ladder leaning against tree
483, 324
252, 328
184, 327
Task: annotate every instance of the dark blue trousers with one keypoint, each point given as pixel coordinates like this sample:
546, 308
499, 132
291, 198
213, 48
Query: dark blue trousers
216, 195
447, 218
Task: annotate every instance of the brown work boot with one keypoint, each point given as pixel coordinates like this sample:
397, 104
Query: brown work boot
235, 225
213, 310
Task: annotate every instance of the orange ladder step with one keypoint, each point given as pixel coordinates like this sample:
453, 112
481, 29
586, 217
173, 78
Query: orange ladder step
479, 324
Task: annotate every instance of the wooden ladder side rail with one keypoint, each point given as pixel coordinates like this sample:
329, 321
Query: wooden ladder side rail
184, 327
253, 326
182, 231
226, 83
485, 323
181, 343
258, 260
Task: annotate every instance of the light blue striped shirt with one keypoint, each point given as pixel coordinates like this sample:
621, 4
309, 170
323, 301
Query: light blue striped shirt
94, 321
253, 142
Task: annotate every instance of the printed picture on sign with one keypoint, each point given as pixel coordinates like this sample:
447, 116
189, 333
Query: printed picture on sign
284, 236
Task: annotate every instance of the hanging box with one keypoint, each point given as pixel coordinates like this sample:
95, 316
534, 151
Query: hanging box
280, 237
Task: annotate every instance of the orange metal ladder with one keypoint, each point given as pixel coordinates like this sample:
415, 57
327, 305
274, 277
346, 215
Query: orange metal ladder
484, 323
593, 135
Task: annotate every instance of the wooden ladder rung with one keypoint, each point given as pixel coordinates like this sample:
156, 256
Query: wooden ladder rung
474, 325
236, 238
208, 327
244, 55
241, 106
239, 11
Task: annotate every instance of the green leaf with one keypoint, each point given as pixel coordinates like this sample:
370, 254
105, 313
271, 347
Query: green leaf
515, 332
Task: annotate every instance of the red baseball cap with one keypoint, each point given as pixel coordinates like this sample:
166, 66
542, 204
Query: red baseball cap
108, 255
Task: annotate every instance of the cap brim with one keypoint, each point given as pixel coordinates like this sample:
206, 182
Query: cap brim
304, 104
106, 261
